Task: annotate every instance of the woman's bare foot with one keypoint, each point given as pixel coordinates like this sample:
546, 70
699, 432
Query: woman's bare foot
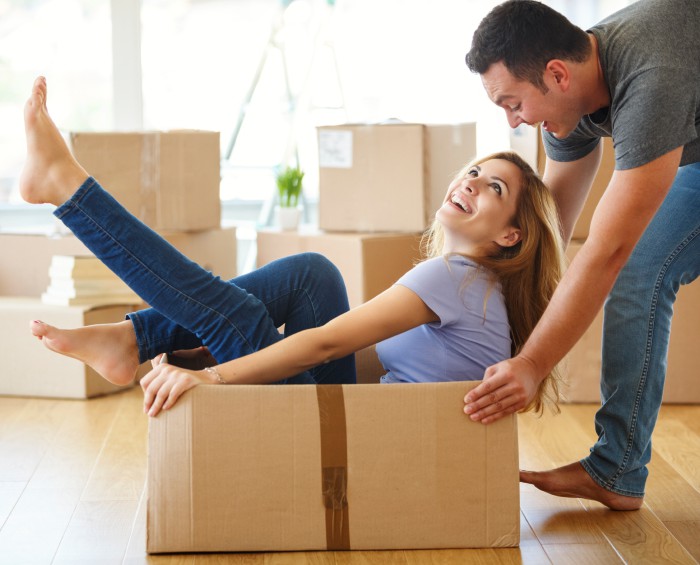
51, 174
110, 349
573, 481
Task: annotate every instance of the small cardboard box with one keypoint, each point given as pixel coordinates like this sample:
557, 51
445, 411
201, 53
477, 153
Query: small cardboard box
527, 141
369, 262
29, 369
287, 468
215, 250
388, 177
584, 362
169, 180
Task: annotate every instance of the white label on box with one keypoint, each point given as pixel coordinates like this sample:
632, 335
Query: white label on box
335, 149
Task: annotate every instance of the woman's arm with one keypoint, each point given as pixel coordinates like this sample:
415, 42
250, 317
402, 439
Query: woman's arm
395, 311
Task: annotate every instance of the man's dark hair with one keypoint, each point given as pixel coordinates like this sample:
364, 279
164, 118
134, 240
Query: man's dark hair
525, 35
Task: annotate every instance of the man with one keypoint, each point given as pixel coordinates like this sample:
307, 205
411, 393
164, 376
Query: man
635, 77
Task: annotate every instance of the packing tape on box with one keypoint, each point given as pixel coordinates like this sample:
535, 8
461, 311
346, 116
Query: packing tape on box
334, 465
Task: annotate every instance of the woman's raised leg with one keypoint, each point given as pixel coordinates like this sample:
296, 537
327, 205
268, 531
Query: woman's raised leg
227, 319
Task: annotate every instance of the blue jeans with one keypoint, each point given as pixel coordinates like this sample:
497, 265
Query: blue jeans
636, 331
192, 307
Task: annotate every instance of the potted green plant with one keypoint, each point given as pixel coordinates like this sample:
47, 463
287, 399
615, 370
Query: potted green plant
289, 187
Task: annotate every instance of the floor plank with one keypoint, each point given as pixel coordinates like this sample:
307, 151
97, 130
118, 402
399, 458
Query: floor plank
98, 533
9, 495
639, 537
680, 446
582, 554
34, 529
28, 435
120, 471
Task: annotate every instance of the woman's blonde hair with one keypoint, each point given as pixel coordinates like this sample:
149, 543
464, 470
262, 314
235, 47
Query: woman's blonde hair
529, 271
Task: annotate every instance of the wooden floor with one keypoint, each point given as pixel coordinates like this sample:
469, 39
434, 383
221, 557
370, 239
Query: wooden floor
72, 477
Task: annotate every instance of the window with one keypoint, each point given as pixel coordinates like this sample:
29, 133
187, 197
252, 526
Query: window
69, 41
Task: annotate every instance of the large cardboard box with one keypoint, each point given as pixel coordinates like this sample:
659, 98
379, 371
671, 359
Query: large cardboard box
268, 468
29, 369
388, 177
25, 258
369, 262
527, 142
168, 179
583, 364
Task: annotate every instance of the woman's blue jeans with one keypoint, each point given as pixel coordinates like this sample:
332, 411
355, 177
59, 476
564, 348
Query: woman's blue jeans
636, 331
191, 307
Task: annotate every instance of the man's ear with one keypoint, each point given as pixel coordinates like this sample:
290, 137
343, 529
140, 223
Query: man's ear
510, 237
558, 73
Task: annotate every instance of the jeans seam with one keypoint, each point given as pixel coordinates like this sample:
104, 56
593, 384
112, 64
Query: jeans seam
647, 358
606, 485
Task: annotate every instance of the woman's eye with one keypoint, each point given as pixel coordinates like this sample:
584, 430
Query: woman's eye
515, 108
496, 187
473, 173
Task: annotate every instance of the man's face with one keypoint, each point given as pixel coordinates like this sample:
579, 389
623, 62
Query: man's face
523, 102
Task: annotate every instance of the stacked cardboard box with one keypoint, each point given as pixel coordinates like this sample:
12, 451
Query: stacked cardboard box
388, 177
369, 262
214, 249
330, 467
169, 180
29, 369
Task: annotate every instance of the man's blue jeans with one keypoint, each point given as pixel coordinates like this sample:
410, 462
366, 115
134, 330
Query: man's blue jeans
191, 307
636, 331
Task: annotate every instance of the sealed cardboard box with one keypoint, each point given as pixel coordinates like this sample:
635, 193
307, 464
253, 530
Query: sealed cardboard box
215, 250
527, 142
29, 369
369, 262
168, 179
583, 364
329, 467
388, 177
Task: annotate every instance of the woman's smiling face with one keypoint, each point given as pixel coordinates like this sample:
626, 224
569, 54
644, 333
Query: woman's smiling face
479, 208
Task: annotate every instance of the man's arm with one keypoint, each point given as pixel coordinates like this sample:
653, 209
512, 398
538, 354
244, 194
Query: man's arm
623, 213
570, 183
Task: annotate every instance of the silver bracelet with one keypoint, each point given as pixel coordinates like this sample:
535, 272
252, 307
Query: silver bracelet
219, 378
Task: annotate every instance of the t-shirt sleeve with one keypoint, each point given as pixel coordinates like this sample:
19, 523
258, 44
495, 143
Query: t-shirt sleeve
576, 146
436, 283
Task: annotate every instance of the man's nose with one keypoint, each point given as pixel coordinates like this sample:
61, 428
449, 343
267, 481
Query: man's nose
513, 119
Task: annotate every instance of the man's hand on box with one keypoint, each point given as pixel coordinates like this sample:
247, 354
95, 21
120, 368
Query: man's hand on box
508, 386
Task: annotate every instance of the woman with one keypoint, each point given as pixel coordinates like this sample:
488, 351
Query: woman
495, 255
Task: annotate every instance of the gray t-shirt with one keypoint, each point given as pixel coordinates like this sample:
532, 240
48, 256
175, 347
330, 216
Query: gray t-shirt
650, 56
472, 334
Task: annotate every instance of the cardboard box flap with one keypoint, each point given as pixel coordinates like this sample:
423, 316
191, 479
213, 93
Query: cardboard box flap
256, 468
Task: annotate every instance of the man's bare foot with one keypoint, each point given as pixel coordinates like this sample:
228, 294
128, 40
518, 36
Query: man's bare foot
110, 349
573, 481
51, 174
